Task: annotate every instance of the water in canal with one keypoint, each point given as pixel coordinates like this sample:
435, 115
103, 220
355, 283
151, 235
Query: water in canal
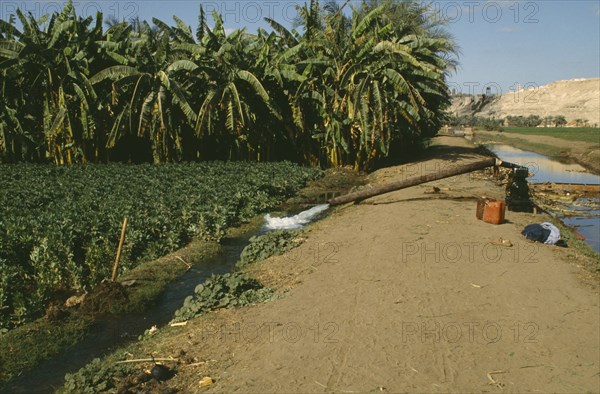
112, 332
544, 169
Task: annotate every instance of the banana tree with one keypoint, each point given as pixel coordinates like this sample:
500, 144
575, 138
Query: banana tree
349, 88
367, 89
49, 104
150, 92
235, 96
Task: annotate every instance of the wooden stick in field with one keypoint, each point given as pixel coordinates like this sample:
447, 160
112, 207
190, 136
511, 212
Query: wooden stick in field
116, 265
145, 360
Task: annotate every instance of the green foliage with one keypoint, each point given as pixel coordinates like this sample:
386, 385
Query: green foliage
218, 291
59, 226
222, 291
480, 122
489, 124
587, 134
529, 121
97, 376
26, 346
529, 125
350, 89
270, 244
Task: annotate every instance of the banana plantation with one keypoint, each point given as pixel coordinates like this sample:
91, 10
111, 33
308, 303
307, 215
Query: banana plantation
351, 84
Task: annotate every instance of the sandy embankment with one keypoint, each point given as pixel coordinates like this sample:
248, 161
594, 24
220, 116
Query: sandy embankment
405, 292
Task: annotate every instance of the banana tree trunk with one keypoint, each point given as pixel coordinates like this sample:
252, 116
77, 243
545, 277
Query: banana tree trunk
393, 186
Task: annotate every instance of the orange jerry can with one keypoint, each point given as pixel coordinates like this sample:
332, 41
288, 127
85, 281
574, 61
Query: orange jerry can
493, 212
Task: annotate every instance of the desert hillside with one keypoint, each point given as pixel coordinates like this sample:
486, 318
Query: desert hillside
574, 99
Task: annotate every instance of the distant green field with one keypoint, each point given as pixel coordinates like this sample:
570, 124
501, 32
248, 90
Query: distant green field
587, 134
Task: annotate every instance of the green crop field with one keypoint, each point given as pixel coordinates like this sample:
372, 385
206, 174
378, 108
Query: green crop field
59, 226
362, 88
586, 134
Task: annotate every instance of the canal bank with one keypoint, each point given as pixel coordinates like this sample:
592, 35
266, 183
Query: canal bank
404, 292
563, 150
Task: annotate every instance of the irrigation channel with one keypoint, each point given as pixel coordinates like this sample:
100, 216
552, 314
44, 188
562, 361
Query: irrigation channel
112, 332
579, 211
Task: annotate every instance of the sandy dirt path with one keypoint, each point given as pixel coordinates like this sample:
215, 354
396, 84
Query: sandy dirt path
407, 292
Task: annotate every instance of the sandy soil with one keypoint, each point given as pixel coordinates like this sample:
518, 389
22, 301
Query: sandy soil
407, 292
584, 153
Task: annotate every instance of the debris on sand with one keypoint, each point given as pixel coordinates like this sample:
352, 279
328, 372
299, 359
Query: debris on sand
206, 381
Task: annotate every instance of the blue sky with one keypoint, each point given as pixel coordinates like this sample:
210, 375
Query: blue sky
529, 43
503, 42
